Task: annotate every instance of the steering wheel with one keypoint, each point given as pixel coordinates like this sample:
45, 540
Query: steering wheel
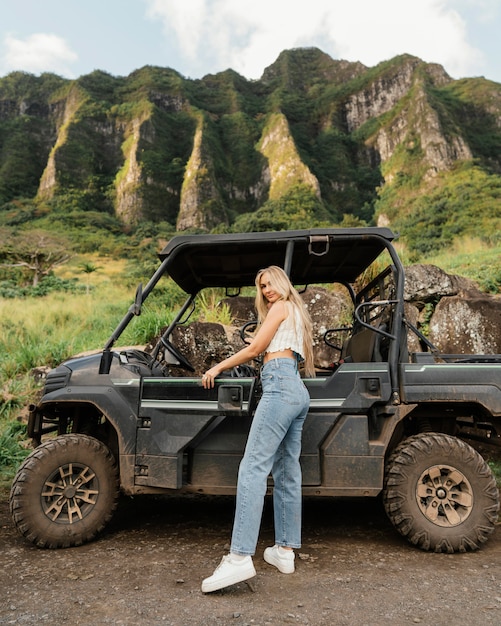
183, 361
243, 371
245, 333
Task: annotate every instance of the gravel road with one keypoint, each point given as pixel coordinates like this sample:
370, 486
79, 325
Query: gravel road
147, 567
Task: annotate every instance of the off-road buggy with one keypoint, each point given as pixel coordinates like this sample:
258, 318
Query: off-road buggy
382, 420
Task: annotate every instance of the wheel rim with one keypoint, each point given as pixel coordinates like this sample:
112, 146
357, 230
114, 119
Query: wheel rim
444, 495
70, 493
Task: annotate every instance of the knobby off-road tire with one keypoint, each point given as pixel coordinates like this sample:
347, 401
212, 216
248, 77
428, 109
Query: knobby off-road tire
440, 493
65, 492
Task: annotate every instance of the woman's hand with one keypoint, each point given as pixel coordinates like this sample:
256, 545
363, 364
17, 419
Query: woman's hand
209, 376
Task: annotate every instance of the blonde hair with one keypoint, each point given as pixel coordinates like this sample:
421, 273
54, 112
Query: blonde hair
287, 292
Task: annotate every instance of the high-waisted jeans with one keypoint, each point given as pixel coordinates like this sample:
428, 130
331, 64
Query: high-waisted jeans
273, 445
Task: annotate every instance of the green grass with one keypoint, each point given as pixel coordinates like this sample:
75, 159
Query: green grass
42, 332
12, 452
14, 447
212, 310
38, 332
471, 258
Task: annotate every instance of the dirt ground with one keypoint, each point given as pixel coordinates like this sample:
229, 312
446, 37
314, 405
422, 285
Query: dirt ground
147, 567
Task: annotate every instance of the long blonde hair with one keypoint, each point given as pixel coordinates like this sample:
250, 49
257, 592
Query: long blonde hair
285, 289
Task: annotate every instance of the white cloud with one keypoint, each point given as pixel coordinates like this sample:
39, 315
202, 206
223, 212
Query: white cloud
248, 35
40, 52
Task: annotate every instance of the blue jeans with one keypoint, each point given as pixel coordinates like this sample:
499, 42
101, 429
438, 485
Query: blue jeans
273, 445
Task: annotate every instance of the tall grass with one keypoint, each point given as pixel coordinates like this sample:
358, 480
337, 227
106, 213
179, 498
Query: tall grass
148, 325
11, 452
36, 332
212, 309
42, 332
15, 394
472, 258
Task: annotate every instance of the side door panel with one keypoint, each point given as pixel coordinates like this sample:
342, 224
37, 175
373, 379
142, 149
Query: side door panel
177, 412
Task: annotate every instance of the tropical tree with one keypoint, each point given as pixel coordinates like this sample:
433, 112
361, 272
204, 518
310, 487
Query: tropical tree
88, 268
35, 252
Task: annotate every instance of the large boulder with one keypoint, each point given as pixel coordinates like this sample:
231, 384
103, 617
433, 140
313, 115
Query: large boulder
205, 343
429, 283
471, 325
456, 316
241, 308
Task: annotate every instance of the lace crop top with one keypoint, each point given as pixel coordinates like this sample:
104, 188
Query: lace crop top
289, 334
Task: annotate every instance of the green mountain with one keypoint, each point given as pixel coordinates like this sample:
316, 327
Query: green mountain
314, 140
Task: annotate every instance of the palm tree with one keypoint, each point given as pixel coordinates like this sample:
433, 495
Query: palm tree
88, 268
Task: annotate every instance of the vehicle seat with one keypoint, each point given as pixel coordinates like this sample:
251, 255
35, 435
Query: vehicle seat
359, 348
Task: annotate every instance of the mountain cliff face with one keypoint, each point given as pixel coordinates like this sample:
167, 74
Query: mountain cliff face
197, 154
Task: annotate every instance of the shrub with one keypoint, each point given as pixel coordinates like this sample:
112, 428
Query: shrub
48, 284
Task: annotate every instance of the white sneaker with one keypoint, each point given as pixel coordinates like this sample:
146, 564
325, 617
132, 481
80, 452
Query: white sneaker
282, 559
229, 572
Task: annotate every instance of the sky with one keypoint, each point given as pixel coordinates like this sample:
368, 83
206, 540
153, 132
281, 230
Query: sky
72, 38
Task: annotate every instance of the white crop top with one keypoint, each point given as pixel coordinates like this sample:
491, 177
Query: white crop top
289, 334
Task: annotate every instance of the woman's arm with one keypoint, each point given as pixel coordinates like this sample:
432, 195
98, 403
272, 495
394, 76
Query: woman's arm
275, 316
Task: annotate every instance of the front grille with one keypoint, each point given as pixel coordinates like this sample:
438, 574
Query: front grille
57, 379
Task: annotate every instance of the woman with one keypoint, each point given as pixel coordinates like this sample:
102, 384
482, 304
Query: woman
274, 443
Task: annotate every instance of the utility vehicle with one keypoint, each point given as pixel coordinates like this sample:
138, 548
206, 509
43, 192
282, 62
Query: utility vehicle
382, 420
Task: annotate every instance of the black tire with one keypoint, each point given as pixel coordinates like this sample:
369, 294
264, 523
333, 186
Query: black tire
65, 492
440, 493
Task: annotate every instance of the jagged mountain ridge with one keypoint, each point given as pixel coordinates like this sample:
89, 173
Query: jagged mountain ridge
199, 153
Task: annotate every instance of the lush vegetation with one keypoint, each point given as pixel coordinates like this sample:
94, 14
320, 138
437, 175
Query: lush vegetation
458, 204
66, 148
